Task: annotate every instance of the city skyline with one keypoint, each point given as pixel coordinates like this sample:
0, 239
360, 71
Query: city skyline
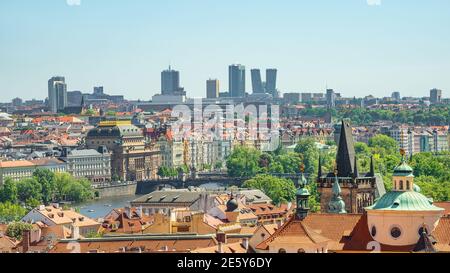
353, 47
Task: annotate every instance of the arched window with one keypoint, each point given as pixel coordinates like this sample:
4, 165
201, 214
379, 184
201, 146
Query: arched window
408, 185
282, 250
401, 185
301, 250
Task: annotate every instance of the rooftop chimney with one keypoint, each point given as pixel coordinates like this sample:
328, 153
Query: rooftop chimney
128, 212
26, 241
75, 232
245, 243
221, 237
139, 211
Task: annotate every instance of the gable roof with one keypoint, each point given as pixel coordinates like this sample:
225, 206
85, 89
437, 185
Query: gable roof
294, 231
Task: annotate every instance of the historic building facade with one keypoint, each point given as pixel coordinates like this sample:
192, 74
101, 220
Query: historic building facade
94, 165
132, 158
401, 221
357, 190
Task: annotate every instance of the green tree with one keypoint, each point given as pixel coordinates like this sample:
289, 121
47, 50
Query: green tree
362, 149
68, 188
291, 162
15, 230
309, 153
11, 212
243, 162
8, 191
28, 190
433, 188
278, 189
383, 144
46, 178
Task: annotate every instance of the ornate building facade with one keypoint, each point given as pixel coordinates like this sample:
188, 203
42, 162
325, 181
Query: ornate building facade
132, 158
357, 190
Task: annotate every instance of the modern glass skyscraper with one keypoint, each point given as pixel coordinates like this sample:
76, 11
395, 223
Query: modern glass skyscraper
435, 95
331, 98
271, 81
236, 78
212, 89
57, 94
170, 82
257, 84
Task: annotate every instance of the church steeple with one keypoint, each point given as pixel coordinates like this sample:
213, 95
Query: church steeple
302, 199
345, 158
355, 172
403, 176
336, 204
372, 169
319, 174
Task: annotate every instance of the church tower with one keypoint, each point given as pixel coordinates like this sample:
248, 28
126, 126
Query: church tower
345, 157
403, 216
356, 190
403, 176
302, 199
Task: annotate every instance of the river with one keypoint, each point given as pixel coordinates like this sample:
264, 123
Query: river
99, 208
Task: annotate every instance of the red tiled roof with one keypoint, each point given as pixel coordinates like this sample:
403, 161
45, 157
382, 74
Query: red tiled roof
294, 231
113, 245
349, 233
444, 205
125, 224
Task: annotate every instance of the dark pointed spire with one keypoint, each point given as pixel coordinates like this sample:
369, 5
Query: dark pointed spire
355, 172
319, 174
425, 243
372, 168
346, 151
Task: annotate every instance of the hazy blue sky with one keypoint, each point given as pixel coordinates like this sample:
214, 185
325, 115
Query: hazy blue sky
349, 45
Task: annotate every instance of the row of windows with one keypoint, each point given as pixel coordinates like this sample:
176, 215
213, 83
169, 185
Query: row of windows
89, 167
401, 185
83, 174
89, 159
396, 231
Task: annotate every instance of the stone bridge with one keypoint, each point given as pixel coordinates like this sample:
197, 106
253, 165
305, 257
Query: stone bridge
221, 179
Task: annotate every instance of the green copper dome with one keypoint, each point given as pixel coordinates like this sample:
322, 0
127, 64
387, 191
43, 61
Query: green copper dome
303, 192
403, 169
404, 201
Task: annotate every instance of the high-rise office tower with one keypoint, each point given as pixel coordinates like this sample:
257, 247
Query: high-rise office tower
435, 95
396, 96
170, 83
271, 82
98, 90
331, 98
57, 94
236, 78
212, 89
257, 85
